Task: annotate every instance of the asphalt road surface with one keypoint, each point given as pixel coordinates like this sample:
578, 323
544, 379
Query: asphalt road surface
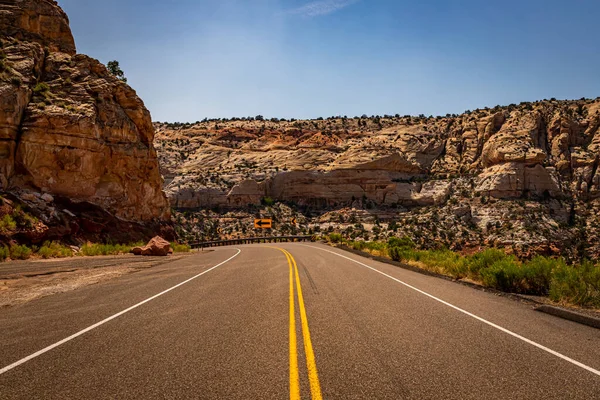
260, 322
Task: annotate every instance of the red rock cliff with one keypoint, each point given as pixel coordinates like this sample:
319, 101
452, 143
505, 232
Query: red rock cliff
67, 126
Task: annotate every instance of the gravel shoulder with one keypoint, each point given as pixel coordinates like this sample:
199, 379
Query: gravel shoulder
24, 281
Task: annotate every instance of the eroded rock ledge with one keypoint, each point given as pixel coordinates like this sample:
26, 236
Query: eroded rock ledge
67, 126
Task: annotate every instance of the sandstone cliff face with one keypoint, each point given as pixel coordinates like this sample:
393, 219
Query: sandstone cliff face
523, 175
544, 149
67, 126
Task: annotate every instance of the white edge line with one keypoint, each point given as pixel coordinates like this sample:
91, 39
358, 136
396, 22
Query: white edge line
89, 328
531, 342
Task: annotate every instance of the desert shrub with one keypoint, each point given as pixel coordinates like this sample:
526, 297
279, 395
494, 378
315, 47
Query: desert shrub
360, 246
404, 241
485, 259
23, 219
576, 284
20, 252
7, 224
4, 253
335, 238
504, 274
379, 246
96, 249
54, 250
267, 201
402, 249
445, 261
537, 274
397, 253
41, 87
180, 248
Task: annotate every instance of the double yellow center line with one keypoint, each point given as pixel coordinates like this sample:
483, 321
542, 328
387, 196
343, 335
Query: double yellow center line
311, 365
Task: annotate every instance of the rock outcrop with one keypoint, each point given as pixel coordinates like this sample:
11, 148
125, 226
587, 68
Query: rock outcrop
523, 176
544, 149
157, 246
68, 127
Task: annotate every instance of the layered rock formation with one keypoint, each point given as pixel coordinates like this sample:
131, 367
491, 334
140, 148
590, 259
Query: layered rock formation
546, 149
67, 126
522, 175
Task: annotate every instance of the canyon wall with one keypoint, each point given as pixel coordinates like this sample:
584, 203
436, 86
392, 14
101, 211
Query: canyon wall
69, 128
521, 176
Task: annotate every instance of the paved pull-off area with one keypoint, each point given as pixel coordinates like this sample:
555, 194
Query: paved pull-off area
289, 321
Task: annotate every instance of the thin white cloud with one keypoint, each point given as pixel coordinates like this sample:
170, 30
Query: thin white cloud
322, 7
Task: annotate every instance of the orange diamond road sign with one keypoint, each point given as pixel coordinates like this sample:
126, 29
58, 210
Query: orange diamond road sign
294, 221
263, 223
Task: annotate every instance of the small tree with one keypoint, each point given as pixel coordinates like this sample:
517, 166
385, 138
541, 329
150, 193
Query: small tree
115, 69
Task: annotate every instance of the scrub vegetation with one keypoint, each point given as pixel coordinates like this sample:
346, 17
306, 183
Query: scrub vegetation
577, 284
57, 250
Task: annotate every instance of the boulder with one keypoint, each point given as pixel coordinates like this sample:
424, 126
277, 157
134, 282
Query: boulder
157, 246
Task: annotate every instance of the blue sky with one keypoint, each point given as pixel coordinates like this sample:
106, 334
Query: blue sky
190, 59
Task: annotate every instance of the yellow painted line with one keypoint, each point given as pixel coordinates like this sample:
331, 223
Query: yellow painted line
294, 374
311, 364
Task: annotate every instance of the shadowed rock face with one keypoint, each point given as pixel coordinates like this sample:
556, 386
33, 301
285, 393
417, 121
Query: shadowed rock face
67, 126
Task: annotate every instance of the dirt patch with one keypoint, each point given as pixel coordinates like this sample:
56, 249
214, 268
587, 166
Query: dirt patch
21, 288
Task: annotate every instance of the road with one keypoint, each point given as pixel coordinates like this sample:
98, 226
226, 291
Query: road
289, 321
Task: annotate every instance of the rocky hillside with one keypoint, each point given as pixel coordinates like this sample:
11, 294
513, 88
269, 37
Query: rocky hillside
524, 177
70, 132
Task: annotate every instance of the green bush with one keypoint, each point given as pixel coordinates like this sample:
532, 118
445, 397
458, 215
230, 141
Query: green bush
20, 252
41, 88
504, 274
95, 249
444, 261
375, 246
54, 250
23, 219
267, 201
335, 238
403, 254
537, 274
180, 248
401, 242
4, 253
485, 259
395, 253
360, 245
576, 284
7, 224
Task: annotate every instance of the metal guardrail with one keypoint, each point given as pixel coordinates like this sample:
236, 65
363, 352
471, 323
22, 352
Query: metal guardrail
271, 239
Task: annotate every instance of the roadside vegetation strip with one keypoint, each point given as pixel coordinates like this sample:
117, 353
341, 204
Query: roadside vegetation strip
51, 249
104, 321
493, 325
577, 284
311, 364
